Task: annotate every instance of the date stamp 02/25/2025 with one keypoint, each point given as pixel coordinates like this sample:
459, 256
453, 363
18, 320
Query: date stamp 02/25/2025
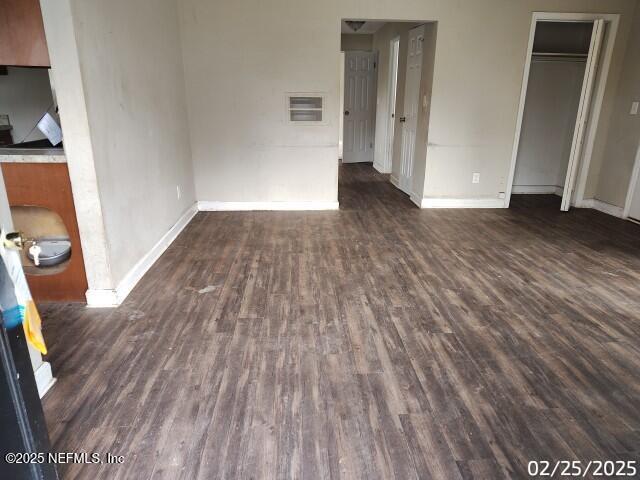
582, 469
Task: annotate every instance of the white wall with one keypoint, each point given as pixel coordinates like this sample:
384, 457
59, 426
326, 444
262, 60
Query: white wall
553, 95
70, 95
25, 95
354, 41
614, 169
132, 71
242, 150
241, 58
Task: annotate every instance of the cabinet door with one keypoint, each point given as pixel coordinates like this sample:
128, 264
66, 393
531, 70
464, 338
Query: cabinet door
22, 40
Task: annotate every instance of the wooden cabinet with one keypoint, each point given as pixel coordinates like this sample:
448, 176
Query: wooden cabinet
22, 40
48, 185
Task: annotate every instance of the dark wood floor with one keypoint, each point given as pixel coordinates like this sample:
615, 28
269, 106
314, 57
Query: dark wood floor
379, 341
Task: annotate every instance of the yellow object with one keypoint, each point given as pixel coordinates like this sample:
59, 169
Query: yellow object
33, 327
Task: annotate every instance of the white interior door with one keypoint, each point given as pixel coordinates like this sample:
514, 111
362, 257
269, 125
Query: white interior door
359, 106
634, 205
409, 119
593, 59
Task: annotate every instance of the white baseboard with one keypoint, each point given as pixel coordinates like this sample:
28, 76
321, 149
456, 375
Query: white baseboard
537, 190
208, 206
380, 168
44, 378
601, 206
113, 298
101, 298
394, 181
439, 202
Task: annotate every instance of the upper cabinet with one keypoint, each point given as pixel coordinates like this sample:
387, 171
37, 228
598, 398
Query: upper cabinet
22, 40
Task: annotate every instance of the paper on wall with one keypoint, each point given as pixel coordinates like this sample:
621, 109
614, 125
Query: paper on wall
49, 128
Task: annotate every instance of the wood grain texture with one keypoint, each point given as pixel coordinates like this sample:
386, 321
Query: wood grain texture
379, 341
22, 39
48, 185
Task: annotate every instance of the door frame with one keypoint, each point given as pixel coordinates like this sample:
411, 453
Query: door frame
394, 61
341, 59
611, 21
634, 184
20, 397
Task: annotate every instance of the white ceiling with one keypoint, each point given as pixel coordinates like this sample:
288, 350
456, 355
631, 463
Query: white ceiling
367, 29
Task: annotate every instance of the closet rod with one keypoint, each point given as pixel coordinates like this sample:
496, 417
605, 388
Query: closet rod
560, 55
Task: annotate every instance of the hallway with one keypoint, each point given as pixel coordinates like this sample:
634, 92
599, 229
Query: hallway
378, 341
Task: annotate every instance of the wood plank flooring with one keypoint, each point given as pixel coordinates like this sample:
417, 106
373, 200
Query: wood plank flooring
379, 341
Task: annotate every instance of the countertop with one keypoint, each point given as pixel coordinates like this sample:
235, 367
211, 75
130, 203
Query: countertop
36, 151
52, 155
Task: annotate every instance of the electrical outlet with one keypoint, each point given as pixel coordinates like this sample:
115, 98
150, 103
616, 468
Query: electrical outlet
634, 108
476, 178
178, 192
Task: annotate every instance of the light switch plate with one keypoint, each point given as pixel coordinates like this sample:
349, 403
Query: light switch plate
476, 178
634, 108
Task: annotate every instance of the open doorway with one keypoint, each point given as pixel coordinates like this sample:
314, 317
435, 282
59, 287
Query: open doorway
386, 79
565, 73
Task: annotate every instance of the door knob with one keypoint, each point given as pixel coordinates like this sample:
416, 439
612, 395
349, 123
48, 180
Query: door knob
346, 112
403, 119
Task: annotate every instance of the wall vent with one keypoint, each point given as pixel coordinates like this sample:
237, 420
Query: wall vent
305, 108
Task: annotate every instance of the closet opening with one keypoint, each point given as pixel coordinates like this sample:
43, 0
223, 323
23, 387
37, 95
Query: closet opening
567, 66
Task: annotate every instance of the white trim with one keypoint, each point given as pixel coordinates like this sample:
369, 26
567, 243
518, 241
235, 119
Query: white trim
601, 206
440, 202
101, 298
584, 110
341, 112
212, 206
114, 297
392, 95
596, 104
417, 199
634, 184
537, 190
520, 117
394, 181
44, 378
379, 168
